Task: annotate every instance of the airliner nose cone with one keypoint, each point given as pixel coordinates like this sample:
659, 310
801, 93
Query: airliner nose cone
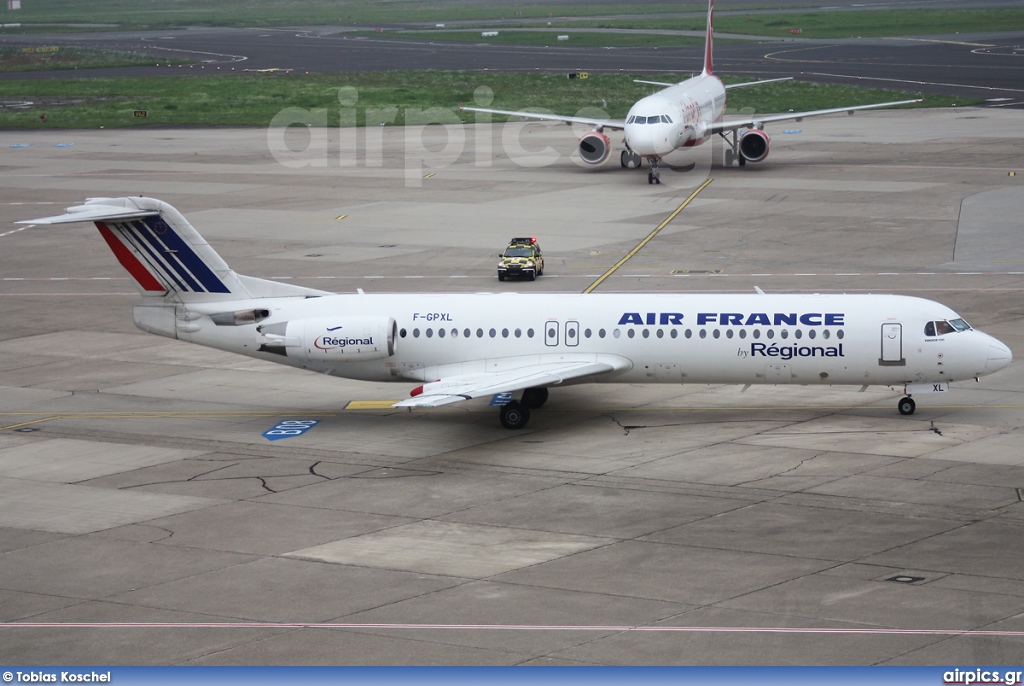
998, 356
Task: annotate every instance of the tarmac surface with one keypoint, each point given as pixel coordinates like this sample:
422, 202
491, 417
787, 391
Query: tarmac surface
145, 520
984, 66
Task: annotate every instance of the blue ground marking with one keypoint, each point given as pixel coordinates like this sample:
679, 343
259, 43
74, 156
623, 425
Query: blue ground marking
290, 428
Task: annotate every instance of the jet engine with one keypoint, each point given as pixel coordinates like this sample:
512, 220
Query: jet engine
754, 145
595, 147
331, 339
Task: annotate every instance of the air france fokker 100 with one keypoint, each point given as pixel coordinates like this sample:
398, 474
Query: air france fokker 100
682, 115
463, 346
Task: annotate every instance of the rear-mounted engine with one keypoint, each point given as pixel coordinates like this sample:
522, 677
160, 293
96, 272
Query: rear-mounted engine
331, 339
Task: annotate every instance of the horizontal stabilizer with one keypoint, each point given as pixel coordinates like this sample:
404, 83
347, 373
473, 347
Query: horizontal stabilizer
95, 211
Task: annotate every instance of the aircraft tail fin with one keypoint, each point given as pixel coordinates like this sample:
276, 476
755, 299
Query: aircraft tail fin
709, 40
165, 255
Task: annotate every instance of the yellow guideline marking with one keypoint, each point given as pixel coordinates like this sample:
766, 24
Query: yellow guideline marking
339, 218
645, 241
429, 175
370, 404
34, 421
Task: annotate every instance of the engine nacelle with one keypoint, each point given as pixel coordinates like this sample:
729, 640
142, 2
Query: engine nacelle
754, 145
595, 147
331, 339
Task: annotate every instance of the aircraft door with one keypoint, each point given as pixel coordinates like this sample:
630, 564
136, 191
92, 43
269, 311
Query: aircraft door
892, 346
551, 333
572, 334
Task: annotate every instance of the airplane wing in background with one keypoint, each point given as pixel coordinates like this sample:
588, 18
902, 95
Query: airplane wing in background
459, 387
614, 124
758, 121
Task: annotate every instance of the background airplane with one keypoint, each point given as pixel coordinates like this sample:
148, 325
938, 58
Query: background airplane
463, 346
682, 115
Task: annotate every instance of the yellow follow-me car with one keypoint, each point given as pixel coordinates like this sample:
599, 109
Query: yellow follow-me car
522, 257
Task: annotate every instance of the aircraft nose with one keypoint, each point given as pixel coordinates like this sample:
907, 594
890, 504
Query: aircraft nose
999, 356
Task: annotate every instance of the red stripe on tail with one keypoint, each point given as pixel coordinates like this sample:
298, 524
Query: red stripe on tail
142, 276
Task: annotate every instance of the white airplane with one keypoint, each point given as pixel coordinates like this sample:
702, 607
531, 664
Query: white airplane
682, 115
464, 346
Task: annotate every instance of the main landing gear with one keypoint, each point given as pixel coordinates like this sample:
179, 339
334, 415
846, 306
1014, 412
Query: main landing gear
516, 414
630, 160
732, 153
906, 406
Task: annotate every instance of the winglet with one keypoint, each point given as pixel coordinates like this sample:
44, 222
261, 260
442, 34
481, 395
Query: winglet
710, 36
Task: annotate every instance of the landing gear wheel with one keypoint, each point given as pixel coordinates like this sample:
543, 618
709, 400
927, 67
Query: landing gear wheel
624, 159
728, 158
653, 177
742, 160
534, 398
907, 406
514, 415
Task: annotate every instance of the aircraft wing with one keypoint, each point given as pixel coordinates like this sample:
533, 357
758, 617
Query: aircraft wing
758, 120
615, 124
459, 387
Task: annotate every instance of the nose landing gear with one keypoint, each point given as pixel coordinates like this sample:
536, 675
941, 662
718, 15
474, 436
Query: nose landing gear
654, 176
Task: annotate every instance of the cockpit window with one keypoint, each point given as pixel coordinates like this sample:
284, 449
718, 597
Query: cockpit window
631, 119
960, 324
665, 119
942, 328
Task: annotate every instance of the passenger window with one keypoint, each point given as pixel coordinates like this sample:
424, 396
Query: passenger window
600, 333
415, 333
784, 333
825, 334
840, 334
728, 333
492, 333
798, 333
756, 333
466, 333
647, 334
529, 333
586, 333
519, 333
616, 333
811, 334
703, 333
430, 333
631, 333
743, 333
771, 333
440, 333
675, 333
689, 333
504, 333
402, 333
716, 333
661, 334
